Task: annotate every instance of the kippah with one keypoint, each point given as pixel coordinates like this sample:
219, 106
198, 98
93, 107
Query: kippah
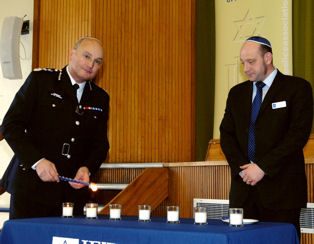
260, 40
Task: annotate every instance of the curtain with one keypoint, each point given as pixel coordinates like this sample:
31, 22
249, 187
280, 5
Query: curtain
303, 40
205, 75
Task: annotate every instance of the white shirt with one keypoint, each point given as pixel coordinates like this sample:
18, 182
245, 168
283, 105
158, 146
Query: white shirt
268, 82
80, 90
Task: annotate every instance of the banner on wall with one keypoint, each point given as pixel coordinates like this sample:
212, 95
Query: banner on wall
236, 20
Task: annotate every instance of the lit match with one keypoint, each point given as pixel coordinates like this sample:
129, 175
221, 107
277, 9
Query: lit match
92, 186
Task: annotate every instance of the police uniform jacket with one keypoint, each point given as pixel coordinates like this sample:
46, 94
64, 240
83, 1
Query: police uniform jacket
46, 121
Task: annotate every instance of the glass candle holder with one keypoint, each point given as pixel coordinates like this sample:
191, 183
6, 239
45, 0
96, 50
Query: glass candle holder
115, 211
236, 217
200, 216
91, 210
67, 209
173, 214
144, 213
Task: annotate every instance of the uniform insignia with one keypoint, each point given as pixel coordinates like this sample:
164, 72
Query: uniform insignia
46, 69
50, 70
92, 108
90, 85
60, 73
56, 95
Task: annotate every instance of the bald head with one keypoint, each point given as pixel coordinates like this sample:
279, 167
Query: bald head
78, 43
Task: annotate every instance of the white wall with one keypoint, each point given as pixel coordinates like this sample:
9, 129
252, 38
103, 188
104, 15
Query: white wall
8, 88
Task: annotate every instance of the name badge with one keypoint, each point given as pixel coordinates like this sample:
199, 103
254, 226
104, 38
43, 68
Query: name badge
281, 104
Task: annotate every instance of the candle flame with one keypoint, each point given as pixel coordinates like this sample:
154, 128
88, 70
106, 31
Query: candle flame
93, 187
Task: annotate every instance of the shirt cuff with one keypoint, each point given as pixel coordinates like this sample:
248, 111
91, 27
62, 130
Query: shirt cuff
35, 164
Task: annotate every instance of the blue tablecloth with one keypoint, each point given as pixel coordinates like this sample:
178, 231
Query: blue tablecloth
129, 230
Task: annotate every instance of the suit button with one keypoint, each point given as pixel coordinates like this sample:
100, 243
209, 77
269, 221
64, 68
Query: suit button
72, 139
68, 156
53, 105
24, 169
77, 122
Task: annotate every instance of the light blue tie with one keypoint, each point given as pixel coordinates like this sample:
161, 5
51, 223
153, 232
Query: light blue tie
255, 109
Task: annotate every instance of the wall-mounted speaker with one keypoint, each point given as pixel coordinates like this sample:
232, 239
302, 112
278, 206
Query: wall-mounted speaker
10, 47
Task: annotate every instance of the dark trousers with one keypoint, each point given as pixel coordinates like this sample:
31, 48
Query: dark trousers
26, 207
253, 209
31, 209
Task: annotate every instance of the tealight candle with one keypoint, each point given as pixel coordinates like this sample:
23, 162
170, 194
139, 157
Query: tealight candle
115, 211
200, 216
144, 213
91, 210
67, 209
236, 217
173, 214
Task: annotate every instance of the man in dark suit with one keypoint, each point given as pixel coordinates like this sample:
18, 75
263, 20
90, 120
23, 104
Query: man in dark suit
56, 130
268, 182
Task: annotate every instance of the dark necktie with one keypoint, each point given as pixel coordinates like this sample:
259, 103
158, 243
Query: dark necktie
255, 109
75, 88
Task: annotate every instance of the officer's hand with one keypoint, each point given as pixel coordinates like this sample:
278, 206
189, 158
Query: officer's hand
46, 170
81, 175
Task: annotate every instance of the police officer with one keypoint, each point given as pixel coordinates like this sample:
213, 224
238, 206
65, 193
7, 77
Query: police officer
56, 126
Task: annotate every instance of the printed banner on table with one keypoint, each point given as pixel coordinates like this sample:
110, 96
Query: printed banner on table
64, 240
67, 240
236, 20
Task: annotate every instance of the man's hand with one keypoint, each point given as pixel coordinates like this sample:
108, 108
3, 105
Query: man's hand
251, 174
46, 170
81, 175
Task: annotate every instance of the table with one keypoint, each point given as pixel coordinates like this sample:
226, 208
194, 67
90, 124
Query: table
129, 230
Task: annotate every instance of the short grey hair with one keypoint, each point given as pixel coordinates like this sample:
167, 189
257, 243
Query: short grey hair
78, 43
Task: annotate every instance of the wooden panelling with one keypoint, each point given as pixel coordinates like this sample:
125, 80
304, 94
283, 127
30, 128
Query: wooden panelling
117, 175
186, 183
148, 49
36, 28
308, 150
307, 238
148, 70
309, 170
61, 24
149, 188
214, 151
